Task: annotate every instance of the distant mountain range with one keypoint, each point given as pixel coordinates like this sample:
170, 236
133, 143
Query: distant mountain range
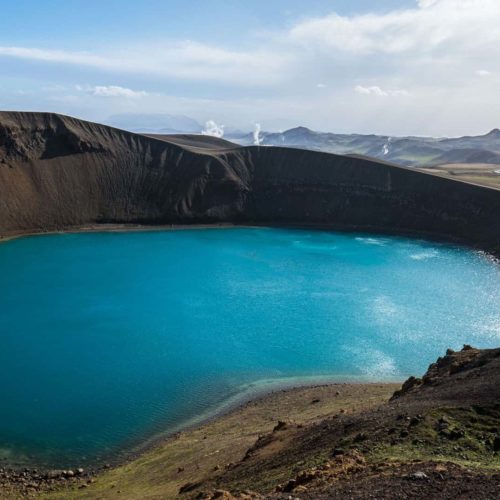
409, 151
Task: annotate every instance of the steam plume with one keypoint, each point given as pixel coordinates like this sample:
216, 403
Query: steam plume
257, 140
212, 129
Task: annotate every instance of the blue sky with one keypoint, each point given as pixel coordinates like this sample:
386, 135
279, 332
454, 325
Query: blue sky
74, 23
426, 67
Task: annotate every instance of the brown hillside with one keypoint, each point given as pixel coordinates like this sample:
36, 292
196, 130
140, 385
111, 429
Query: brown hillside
58, 172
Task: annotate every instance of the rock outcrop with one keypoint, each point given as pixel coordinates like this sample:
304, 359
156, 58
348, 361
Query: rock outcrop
467, 359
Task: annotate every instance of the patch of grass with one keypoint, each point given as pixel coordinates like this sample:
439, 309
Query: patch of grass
465, 436
267, 475
482, 174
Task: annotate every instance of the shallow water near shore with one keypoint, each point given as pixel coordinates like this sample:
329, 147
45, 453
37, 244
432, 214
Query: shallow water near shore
108, 339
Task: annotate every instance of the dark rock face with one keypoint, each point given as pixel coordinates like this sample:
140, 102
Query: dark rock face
453, 363
57, 172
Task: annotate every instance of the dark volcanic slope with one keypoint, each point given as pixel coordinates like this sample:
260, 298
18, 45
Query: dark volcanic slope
57, 172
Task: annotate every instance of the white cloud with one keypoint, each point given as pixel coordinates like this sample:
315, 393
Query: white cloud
321, 85
57, 56
112, 91
426, 3
433, 31
431, 25
184, 60
373, 90
398, 93
54, 88
377, 91
483, 72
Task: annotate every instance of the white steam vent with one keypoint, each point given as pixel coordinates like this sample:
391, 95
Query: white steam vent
257, 140
213, 129
387, 146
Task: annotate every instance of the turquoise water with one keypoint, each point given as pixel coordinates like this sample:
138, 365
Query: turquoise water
109, 338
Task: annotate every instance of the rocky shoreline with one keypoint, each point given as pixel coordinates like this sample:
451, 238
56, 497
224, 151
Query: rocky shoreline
27, 481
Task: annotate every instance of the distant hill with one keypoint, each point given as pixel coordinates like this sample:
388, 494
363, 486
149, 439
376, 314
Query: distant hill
155, 123
408, 151
206, 142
